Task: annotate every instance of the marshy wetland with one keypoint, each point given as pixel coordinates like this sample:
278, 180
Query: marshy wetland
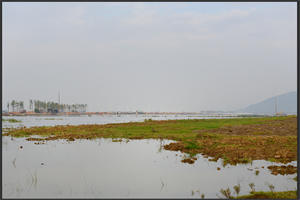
142, 156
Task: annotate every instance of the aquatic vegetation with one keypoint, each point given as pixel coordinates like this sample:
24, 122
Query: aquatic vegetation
197, 191
237, 189
160, 147
162, 185
271, 187
256, 172
148, 120
270, 195
283, 170
235, 140
260, 194
189, 160
226, 193
12, 120
39, 143
116, 140
53, 119
252, 186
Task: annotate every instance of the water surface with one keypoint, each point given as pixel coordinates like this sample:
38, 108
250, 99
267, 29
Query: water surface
105, 169
30, 121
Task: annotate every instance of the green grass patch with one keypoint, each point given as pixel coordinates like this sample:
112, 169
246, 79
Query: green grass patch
191, 145
270, 195
272, 160
11, 120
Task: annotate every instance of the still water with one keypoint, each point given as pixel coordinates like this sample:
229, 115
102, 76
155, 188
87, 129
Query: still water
30, 121
105, 169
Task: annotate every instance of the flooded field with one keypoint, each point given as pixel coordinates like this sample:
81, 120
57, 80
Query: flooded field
107, 168
138, 168
30, 121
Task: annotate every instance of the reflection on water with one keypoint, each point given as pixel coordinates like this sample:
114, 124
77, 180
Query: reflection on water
139, 168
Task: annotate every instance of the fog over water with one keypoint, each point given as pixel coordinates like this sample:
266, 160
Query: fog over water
149, 56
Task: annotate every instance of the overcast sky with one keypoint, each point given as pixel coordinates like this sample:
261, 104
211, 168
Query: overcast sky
149, 56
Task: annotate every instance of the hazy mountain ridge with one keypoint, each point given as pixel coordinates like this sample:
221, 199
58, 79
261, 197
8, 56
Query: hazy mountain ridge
286, 103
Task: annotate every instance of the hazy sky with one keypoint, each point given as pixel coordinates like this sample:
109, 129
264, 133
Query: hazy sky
149, 56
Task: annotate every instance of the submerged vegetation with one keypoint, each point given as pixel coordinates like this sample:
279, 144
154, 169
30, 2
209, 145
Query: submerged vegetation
53, 119
295, 178
226, 193
237, 189
283, 170
235, 140
11, 120
258, 195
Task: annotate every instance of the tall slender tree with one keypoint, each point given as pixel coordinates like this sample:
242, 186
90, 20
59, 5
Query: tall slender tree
30, 104
21, 103
13, 105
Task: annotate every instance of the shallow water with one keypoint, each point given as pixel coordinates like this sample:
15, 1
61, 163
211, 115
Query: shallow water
30, 121
140, 168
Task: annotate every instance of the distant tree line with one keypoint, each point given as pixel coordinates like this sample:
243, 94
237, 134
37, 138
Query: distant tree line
46, 106
16, 106
53, 107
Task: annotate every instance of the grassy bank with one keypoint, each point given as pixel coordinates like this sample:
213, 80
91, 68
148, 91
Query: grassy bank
236, 140
270, 195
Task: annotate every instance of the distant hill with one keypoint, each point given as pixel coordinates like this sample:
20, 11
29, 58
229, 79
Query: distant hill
286, 103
